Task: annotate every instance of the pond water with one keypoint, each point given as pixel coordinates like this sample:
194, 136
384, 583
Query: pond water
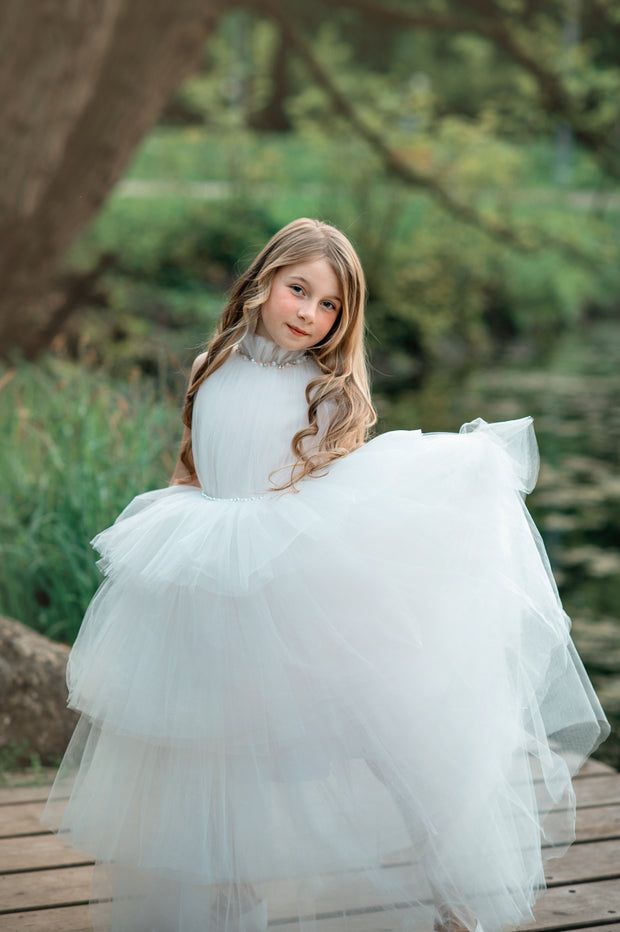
574, 396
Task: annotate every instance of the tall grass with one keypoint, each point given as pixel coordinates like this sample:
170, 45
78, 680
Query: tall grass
75, 449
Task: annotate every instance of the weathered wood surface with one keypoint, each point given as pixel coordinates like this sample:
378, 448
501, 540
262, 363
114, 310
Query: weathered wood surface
44, 885
68, 919
35, 852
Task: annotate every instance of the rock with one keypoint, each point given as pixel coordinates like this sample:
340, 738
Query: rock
34, 718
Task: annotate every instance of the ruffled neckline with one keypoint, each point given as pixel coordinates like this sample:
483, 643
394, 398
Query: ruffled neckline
264, 352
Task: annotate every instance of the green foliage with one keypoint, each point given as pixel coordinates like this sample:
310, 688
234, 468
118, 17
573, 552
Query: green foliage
75, 450
199, 201
181, 244
10, 754
165, 289
236, 82
12, 770
440, 289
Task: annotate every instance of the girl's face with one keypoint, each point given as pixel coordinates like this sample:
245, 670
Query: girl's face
303, 305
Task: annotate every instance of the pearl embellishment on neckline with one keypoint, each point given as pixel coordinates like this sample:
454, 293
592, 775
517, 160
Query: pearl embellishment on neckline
274, 364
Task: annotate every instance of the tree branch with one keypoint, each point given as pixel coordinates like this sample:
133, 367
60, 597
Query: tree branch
525, 240
608, 11
487, 21
376, 11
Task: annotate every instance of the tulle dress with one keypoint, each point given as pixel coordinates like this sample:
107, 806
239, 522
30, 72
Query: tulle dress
340, 708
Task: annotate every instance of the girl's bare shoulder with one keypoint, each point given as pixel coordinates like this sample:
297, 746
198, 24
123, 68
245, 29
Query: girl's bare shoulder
197, 363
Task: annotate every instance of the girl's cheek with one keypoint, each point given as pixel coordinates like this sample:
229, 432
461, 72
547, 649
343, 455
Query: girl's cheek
290, 301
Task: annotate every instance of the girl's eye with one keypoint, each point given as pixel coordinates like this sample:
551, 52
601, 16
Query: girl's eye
329, 306
297, 289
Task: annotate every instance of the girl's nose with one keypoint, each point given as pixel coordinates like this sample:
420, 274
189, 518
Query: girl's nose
307, 310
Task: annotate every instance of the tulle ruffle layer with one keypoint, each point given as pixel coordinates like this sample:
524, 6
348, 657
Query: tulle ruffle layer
280, 695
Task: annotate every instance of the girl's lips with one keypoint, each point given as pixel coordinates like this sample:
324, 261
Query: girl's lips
295, 330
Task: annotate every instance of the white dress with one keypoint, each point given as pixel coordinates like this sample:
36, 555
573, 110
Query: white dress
333, 709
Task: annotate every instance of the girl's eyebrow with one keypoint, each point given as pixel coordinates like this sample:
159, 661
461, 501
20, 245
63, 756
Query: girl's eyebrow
305, 281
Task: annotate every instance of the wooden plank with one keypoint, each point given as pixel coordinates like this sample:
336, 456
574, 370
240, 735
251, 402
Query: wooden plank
597, 860
587, 903
21, 819
38, 792
592, 906
18, 794
63, 919
608, 927
594, 860
598, 822
562, 908
587, 790
379, 922
571, 904
592, 823
583, 903
368, 922
602, 790
36, 889
593, 767
31, 852
75, 919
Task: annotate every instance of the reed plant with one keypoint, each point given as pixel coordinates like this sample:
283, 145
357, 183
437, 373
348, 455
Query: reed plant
76, 447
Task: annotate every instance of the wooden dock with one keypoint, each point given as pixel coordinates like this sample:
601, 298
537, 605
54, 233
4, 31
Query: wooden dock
44, 886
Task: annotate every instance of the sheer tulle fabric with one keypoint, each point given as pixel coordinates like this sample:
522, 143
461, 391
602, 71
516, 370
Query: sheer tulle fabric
307, 706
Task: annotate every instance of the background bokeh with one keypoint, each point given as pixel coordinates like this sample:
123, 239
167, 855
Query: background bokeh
469, 148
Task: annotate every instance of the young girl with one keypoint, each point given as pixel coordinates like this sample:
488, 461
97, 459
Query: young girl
325, 684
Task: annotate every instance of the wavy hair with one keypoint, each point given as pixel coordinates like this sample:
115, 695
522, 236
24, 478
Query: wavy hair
342, 386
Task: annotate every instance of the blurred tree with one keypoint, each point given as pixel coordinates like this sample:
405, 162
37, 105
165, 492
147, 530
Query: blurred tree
273, 116
81, 83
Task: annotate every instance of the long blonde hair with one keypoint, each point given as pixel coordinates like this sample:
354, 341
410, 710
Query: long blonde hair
343, 382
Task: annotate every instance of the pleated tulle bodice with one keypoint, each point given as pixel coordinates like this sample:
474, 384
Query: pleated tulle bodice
245, 416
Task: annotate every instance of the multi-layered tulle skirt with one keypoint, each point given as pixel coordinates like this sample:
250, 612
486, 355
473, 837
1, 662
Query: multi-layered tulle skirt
343, 708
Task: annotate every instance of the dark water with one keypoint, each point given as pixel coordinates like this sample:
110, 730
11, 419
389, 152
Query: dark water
574, 396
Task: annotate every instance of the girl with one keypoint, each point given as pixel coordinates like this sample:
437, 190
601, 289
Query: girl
325, 683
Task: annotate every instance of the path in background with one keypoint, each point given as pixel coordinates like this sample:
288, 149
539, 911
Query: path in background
220, 190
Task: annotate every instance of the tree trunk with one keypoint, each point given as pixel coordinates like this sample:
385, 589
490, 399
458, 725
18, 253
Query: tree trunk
273, 117
80, 83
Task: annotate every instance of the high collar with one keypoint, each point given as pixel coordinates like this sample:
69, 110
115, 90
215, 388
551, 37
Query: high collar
264, 351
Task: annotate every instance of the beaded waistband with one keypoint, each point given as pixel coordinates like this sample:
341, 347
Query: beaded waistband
215, 498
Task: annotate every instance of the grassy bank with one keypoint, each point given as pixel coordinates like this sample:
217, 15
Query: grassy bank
76, 448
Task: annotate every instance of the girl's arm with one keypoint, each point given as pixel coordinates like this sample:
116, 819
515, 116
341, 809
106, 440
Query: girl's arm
180, 474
